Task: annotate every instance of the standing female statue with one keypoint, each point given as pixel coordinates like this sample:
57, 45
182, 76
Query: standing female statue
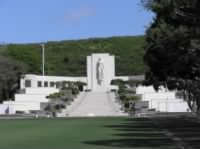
100, 69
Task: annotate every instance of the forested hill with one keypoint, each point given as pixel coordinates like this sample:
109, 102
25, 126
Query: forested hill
69, 57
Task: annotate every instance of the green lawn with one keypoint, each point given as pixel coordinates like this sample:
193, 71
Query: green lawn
85, 133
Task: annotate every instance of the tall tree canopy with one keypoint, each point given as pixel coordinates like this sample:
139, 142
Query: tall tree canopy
10, 72
173, 47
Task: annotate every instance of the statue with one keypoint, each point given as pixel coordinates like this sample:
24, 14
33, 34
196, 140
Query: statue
100, 69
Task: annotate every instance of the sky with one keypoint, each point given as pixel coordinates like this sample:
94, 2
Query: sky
30, 21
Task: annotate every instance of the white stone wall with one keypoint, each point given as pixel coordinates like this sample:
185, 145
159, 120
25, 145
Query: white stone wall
31, 97
163, 100
24, 106
124, 78
41, 90
172, 106
89, 72
158, 95
31, 100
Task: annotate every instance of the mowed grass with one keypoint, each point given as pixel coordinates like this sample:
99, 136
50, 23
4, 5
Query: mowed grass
79, 133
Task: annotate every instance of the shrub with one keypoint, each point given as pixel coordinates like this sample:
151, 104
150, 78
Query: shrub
56, 95
133, 98
80, 85
130, 91
117, 82
87, 90
134, 82
121, 89
122, 96
75, 91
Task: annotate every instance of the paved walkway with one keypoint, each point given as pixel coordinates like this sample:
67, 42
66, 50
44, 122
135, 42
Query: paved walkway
95, 104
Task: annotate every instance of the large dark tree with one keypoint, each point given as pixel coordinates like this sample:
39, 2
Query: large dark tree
10, 72
173, 47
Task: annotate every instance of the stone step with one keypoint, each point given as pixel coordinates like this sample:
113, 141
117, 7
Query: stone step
96, 104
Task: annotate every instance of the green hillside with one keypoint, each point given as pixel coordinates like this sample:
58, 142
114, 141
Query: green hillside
69, 57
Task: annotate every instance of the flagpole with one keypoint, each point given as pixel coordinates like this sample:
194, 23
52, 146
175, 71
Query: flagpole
43, 60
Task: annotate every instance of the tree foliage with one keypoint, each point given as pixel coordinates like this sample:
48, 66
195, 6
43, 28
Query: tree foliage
173, 47
10, 72
68, 58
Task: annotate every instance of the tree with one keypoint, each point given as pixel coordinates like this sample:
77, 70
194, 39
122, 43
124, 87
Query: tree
10, 72
172, 48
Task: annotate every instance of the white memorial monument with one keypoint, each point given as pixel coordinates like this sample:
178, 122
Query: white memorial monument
100, 72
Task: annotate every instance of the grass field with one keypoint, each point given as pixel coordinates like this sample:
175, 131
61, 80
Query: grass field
82, 133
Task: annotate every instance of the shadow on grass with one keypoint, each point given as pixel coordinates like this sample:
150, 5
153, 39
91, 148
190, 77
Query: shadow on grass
130, 143
136, 133
185, 128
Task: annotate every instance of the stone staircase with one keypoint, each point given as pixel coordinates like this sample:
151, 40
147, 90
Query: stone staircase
90, 104
74, 105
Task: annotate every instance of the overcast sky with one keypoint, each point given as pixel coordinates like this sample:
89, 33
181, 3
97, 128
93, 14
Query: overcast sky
25, 21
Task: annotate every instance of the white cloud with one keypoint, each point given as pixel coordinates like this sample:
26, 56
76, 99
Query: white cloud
78, 15
74, 17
